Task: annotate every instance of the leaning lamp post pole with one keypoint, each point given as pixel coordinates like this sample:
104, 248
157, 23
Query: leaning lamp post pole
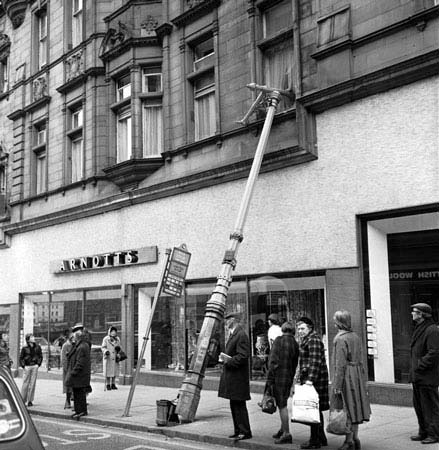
189, 395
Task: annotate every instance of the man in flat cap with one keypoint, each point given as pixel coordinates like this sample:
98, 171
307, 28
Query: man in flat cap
424, 373
235, 380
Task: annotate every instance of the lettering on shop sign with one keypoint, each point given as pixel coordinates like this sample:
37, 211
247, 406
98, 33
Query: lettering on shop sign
123, 258
414, 275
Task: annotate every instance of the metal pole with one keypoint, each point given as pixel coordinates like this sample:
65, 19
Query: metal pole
158, 289
189, 395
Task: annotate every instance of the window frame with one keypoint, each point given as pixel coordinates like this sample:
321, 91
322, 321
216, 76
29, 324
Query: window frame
76, 134
120, 88
42, 38
4, 75
77, 22
160, 138
149, 72
124, 114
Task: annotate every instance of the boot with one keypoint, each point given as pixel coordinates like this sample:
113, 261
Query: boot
108, 387
113, 386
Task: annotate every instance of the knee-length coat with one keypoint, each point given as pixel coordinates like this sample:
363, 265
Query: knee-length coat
312, 365
349, 375
110, 366
65, 349
78, 369
235, 378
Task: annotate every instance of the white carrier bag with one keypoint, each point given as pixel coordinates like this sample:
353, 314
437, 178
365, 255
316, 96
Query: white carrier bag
305, 405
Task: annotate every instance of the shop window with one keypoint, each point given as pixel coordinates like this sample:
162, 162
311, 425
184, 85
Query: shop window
76, 146
152, 130
124, 149
77, 9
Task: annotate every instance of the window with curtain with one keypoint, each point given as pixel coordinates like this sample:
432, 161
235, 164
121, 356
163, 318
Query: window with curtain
152, 130
41, 162
75, 171
204, 107
124, 136
77, 159
77, 8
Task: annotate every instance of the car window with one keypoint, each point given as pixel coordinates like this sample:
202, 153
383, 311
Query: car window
11, 420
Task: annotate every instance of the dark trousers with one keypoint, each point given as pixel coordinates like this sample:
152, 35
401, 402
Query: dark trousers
318, 432
80, 400
241, 422
426, 404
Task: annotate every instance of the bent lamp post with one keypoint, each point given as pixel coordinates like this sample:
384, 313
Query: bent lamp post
189, 394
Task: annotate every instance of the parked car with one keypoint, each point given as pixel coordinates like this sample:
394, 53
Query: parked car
17, 431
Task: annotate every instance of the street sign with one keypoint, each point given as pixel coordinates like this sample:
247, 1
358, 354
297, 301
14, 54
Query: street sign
176, 271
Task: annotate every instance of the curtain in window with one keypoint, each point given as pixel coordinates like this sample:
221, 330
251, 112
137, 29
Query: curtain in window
152, 130
41, 173
77, 160
123, 138
205, 124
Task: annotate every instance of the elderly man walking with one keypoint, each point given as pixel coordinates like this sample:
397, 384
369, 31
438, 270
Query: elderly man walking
424, 373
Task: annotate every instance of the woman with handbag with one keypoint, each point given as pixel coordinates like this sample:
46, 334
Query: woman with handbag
111, 349
282, 366
349, 378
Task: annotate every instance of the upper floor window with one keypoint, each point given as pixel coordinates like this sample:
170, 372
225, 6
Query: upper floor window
203, 53
40, 134
124, 148
4, 75
152, 80
152, 130
2, 179
42, 37
124, 87
40, 158
77, 7
276, 19
75, 157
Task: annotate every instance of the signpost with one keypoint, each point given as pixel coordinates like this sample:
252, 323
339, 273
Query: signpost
172, 277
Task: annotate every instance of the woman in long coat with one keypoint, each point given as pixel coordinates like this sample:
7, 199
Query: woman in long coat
65, 349
349, 377
282, 366
110, 349
313, 371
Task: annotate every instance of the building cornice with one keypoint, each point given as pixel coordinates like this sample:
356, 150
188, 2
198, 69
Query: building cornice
191, 14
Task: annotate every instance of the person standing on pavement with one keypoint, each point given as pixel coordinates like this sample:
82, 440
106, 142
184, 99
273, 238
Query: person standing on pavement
31, 358
282, 366
314, 372
274, 329
349, 380
424, 373
235, 379
65, 349
110, 348
5, 360
78, 371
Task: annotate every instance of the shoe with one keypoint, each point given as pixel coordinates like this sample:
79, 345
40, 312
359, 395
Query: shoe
278, 434
30, 404
114, 387
347, 446
241, 437
307, 445
108, 387
357, 444
418, 437
233, 436
77, 416
284, 439
429, 440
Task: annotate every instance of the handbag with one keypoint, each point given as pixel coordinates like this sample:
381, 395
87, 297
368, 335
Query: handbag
305, 405
268, 403
338, 422
121, 356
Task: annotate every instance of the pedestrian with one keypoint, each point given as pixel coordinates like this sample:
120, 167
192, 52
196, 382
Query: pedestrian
68, 390
235, 379
349, 379
282, 366
110, 348
78, 371
314, 372
424, 373
274, 329
5, 359
31, 358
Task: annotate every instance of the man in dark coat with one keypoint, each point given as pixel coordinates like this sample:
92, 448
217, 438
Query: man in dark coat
78, 371
31, 357
282, 366
314, 371
424, 373
235, 379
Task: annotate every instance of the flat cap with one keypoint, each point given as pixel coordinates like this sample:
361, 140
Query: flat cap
232, 315
306, 320
77, 326
423, 307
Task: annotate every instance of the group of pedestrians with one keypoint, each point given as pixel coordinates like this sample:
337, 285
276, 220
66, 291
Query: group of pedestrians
304, 363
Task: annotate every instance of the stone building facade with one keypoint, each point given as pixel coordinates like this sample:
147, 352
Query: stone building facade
120, 137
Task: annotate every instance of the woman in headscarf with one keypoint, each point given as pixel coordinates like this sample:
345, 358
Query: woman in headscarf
110, 348
313, 371
349, 377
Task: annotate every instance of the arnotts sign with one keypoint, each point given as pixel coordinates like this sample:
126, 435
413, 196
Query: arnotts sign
145, 255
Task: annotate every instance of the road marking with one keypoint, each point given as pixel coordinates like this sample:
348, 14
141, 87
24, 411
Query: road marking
61, 440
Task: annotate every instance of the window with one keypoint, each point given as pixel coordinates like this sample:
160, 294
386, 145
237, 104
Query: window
124, 136
124, 87
77, 117
152, 80
152, 130
76, 157
42, 38
40, 178
4, 75
277, 19
203, 54
76, 22
204, 107
2, 179
40, 134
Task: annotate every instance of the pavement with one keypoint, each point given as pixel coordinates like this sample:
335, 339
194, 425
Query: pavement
390, 427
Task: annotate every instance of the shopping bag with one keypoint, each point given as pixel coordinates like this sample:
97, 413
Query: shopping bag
268, 403
305, 405
338, 422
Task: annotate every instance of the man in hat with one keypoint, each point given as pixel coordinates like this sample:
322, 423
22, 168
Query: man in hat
78, 370
235, 380
274, 329
424, 373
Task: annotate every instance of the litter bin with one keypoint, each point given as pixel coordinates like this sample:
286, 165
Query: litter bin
166, 412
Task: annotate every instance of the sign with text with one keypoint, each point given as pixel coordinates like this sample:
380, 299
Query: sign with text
123, 258
176, 271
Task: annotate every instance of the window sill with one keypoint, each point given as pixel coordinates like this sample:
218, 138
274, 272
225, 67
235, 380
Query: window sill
276, 39
120, 104
75, 132
151, 96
